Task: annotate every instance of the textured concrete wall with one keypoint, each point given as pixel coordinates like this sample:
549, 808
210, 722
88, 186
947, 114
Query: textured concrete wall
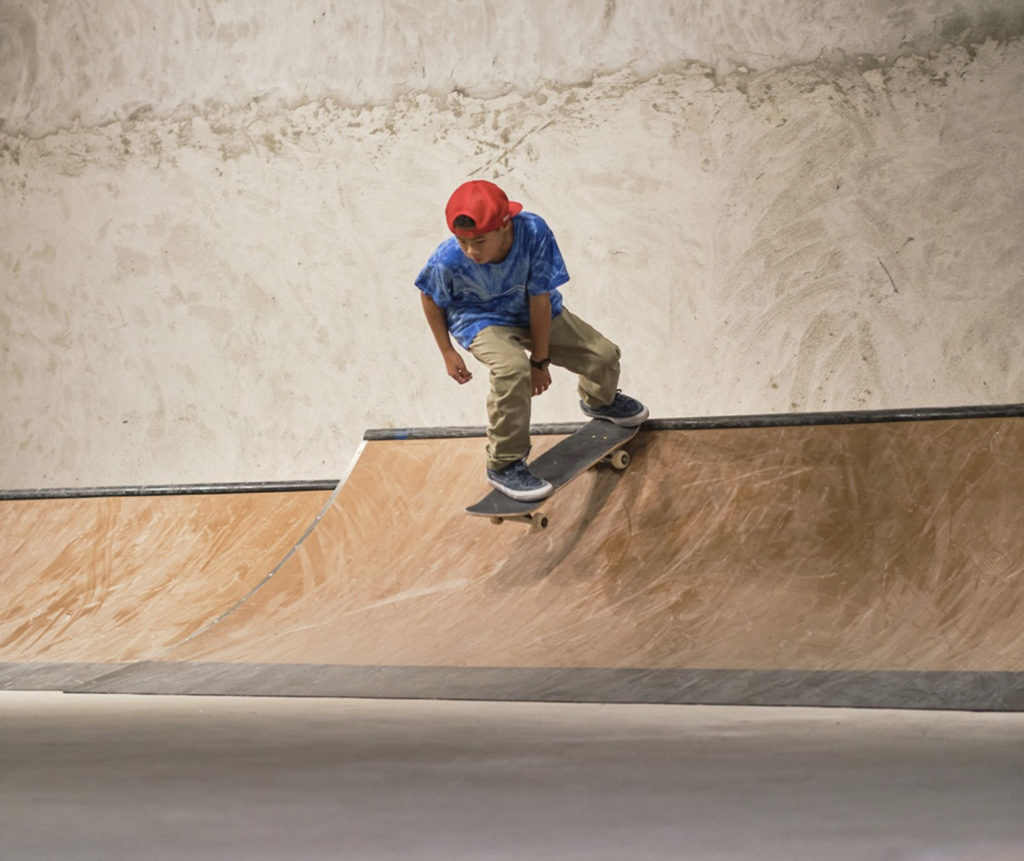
212, 214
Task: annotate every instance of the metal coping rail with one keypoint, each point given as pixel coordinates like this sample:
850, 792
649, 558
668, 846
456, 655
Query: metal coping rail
770, 420
170, 490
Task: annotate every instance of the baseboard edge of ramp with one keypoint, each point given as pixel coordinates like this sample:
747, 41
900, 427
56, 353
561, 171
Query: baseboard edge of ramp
964, 691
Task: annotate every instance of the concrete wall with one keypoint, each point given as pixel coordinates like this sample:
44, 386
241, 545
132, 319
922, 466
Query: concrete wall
212, 213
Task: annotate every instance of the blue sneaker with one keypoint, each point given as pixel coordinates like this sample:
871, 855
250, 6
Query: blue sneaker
517, 481
624, 411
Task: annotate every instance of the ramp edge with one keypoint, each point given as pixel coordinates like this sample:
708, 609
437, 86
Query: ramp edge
978, 690
724, 422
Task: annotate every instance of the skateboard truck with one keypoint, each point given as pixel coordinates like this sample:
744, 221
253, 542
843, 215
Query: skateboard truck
536, 520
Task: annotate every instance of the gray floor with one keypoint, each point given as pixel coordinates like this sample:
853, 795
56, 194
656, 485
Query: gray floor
113, 777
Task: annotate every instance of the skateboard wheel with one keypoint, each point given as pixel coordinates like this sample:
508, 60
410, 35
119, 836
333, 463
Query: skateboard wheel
620, 459
497, 521
539, 521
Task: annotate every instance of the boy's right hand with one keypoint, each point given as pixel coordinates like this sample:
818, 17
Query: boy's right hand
456, 367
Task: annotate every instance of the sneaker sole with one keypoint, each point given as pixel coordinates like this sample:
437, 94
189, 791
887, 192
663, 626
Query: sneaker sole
625, 421
523, 495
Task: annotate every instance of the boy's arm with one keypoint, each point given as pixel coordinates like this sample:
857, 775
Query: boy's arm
453, 361
540, 335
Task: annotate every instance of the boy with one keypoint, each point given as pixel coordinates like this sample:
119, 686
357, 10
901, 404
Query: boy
493, 286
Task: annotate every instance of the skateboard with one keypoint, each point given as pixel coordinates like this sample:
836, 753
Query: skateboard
597, 441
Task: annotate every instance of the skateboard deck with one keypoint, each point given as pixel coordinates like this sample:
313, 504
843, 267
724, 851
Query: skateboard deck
595, 441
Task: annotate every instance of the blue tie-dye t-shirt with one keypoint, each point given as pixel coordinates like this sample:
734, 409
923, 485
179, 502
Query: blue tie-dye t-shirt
477, 295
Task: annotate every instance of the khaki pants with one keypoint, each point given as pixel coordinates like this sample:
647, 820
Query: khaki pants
575, 345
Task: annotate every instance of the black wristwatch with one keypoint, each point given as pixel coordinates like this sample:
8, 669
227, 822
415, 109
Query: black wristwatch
541, 365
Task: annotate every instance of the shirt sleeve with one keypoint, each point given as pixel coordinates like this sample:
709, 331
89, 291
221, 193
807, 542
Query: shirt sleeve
547, 268
435, 280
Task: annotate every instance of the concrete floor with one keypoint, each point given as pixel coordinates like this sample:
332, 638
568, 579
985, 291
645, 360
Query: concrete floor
111, 777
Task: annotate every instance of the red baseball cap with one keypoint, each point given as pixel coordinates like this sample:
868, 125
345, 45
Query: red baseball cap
482, 201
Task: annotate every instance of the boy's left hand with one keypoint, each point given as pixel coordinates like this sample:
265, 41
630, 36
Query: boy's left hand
540, 380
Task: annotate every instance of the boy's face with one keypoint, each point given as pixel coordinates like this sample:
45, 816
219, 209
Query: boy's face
492, 247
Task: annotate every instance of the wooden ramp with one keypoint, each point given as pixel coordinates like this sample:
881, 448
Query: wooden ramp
865, 563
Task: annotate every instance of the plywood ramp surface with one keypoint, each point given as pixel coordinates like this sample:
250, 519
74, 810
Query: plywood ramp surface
861, 547
119, 579
857, 564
